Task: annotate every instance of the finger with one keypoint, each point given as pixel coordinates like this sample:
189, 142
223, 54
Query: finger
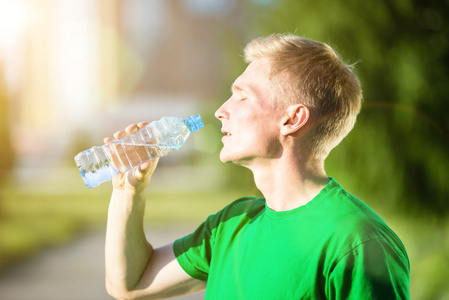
119, 134
107, 140
142, 124
131, 128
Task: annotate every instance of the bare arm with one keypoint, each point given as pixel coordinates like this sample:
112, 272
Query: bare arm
134, 270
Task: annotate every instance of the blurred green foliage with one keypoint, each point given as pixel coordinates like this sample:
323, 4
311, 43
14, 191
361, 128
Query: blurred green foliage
396, 158
397, 155
7, 154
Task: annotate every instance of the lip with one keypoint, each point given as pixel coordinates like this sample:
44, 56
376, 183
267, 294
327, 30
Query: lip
226, 134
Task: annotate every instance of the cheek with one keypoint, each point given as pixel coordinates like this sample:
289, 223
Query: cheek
262, 139
267, 135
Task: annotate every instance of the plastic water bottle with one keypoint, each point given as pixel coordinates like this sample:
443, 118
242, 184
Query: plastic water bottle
157, 139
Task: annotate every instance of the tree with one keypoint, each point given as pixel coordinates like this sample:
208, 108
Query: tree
397, 152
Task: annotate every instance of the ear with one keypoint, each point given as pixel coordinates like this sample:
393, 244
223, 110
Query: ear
296, 117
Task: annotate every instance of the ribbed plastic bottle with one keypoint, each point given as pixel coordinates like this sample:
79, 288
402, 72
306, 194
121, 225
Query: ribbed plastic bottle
157, 139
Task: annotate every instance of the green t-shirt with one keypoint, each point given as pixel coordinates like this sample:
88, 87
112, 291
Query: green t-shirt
334, 247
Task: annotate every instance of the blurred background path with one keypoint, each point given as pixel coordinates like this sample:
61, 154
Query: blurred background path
74, 271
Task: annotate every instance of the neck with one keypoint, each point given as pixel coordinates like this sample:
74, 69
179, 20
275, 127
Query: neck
287, 183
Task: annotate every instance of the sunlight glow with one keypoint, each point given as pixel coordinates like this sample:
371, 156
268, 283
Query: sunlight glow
12, 22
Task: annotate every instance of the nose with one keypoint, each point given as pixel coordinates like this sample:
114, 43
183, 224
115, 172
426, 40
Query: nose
222, 113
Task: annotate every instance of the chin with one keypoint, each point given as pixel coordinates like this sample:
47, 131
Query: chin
227, 158
224, 159
234, 160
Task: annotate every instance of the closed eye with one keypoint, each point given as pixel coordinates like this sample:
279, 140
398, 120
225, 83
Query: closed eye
239, 92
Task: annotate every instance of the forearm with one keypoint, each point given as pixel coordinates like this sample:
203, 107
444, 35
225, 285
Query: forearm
127, 251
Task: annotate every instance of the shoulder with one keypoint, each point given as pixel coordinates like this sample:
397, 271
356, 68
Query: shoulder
238, 212
355, 223
246, 204
348, 211
245, 207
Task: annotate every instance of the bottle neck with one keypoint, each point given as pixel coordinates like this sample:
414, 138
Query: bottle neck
194, 123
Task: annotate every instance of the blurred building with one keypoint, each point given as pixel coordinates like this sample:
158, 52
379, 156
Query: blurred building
79, 70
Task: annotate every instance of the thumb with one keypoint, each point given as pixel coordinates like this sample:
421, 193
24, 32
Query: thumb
145, 170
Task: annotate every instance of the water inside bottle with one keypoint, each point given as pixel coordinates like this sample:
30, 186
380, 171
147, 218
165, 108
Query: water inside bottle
125, 156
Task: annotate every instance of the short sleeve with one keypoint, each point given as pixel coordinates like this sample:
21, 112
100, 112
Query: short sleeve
372, 270
194, 251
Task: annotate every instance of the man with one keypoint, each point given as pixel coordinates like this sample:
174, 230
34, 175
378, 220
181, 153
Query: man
308, 238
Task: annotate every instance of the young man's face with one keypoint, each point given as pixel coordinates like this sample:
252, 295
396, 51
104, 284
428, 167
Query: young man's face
250, 123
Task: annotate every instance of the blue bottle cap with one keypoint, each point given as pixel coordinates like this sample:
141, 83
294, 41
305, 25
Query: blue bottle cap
194, 123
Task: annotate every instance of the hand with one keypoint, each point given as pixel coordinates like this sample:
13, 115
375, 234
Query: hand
138, 178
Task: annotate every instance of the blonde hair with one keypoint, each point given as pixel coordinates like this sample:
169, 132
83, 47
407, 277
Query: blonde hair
312, 73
